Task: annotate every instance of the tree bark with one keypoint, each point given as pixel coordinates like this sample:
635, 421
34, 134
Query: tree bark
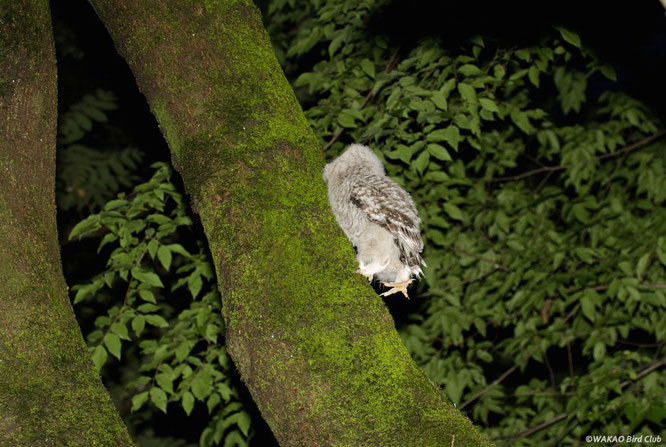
50, 392
314, 344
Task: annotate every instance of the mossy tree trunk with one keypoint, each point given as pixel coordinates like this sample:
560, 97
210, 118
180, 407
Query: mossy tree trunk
50, 392
315, 345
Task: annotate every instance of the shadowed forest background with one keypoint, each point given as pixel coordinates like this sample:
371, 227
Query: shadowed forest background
532, 141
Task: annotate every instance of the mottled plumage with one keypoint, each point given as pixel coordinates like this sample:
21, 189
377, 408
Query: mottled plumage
377, 216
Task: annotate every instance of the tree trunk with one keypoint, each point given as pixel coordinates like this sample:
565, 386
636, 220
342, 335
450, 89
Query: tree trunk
50, 392
314, 344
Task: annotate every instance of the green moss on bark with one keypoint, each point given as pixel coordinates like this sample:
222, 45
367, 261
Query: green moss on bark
312, 341
50, 393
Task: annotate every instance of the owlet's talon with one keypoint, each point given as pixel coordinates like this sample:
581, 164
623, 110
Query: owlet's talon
397, 287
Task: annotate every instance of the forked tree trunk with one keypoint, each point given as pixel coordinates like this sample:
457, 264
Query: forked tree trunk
50, 392
315, 345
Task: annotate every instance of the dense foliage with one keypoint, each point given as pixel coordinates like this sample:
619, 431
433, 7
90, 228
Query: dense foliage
542, 190
179, 336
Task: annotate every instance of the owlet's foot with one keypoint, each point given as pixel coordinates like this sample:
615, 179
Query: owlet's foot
397, 287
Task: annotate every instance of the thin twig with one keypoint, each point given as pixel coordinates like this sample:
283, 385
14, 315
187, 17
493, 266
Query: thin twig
563, 433
536, 428
654, 366
551, 373
495, 382
640, 345
631, 147
335, 137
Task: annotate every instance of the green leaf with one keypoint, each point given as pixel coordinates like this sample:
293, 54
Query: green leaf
335, 43
99, 357
120, 330
86, 226
421, 162
164, 255
113, 204
183, 350
159, 398
147, 295
523, 54
521, 120
467, 92
588, 304
152, 248
477, 40
454, 387
585, 254
156, 320
581, 213
599, 351
448, 87
453, 211
499, 71
147, 307
212, 402
488, 104
439, 100
244, 422
437, 176
165, 382
484, 356
533, 75
108, 238
159, 219
187, 401
113, 344
138, 400
557, 260
194, 285
437, 135
212, 331
609, 72
438, 152
202, 385
138, 324
179, 249
469, 70
233, 438
149, 278
437, 237
569, 36
452, 136
224, 391
368, 67
81, 293
642, 264
346, 120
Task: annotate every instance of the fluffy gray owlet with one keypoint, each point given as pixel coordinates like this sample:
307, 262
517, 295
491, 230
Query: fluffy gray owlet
378, 217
